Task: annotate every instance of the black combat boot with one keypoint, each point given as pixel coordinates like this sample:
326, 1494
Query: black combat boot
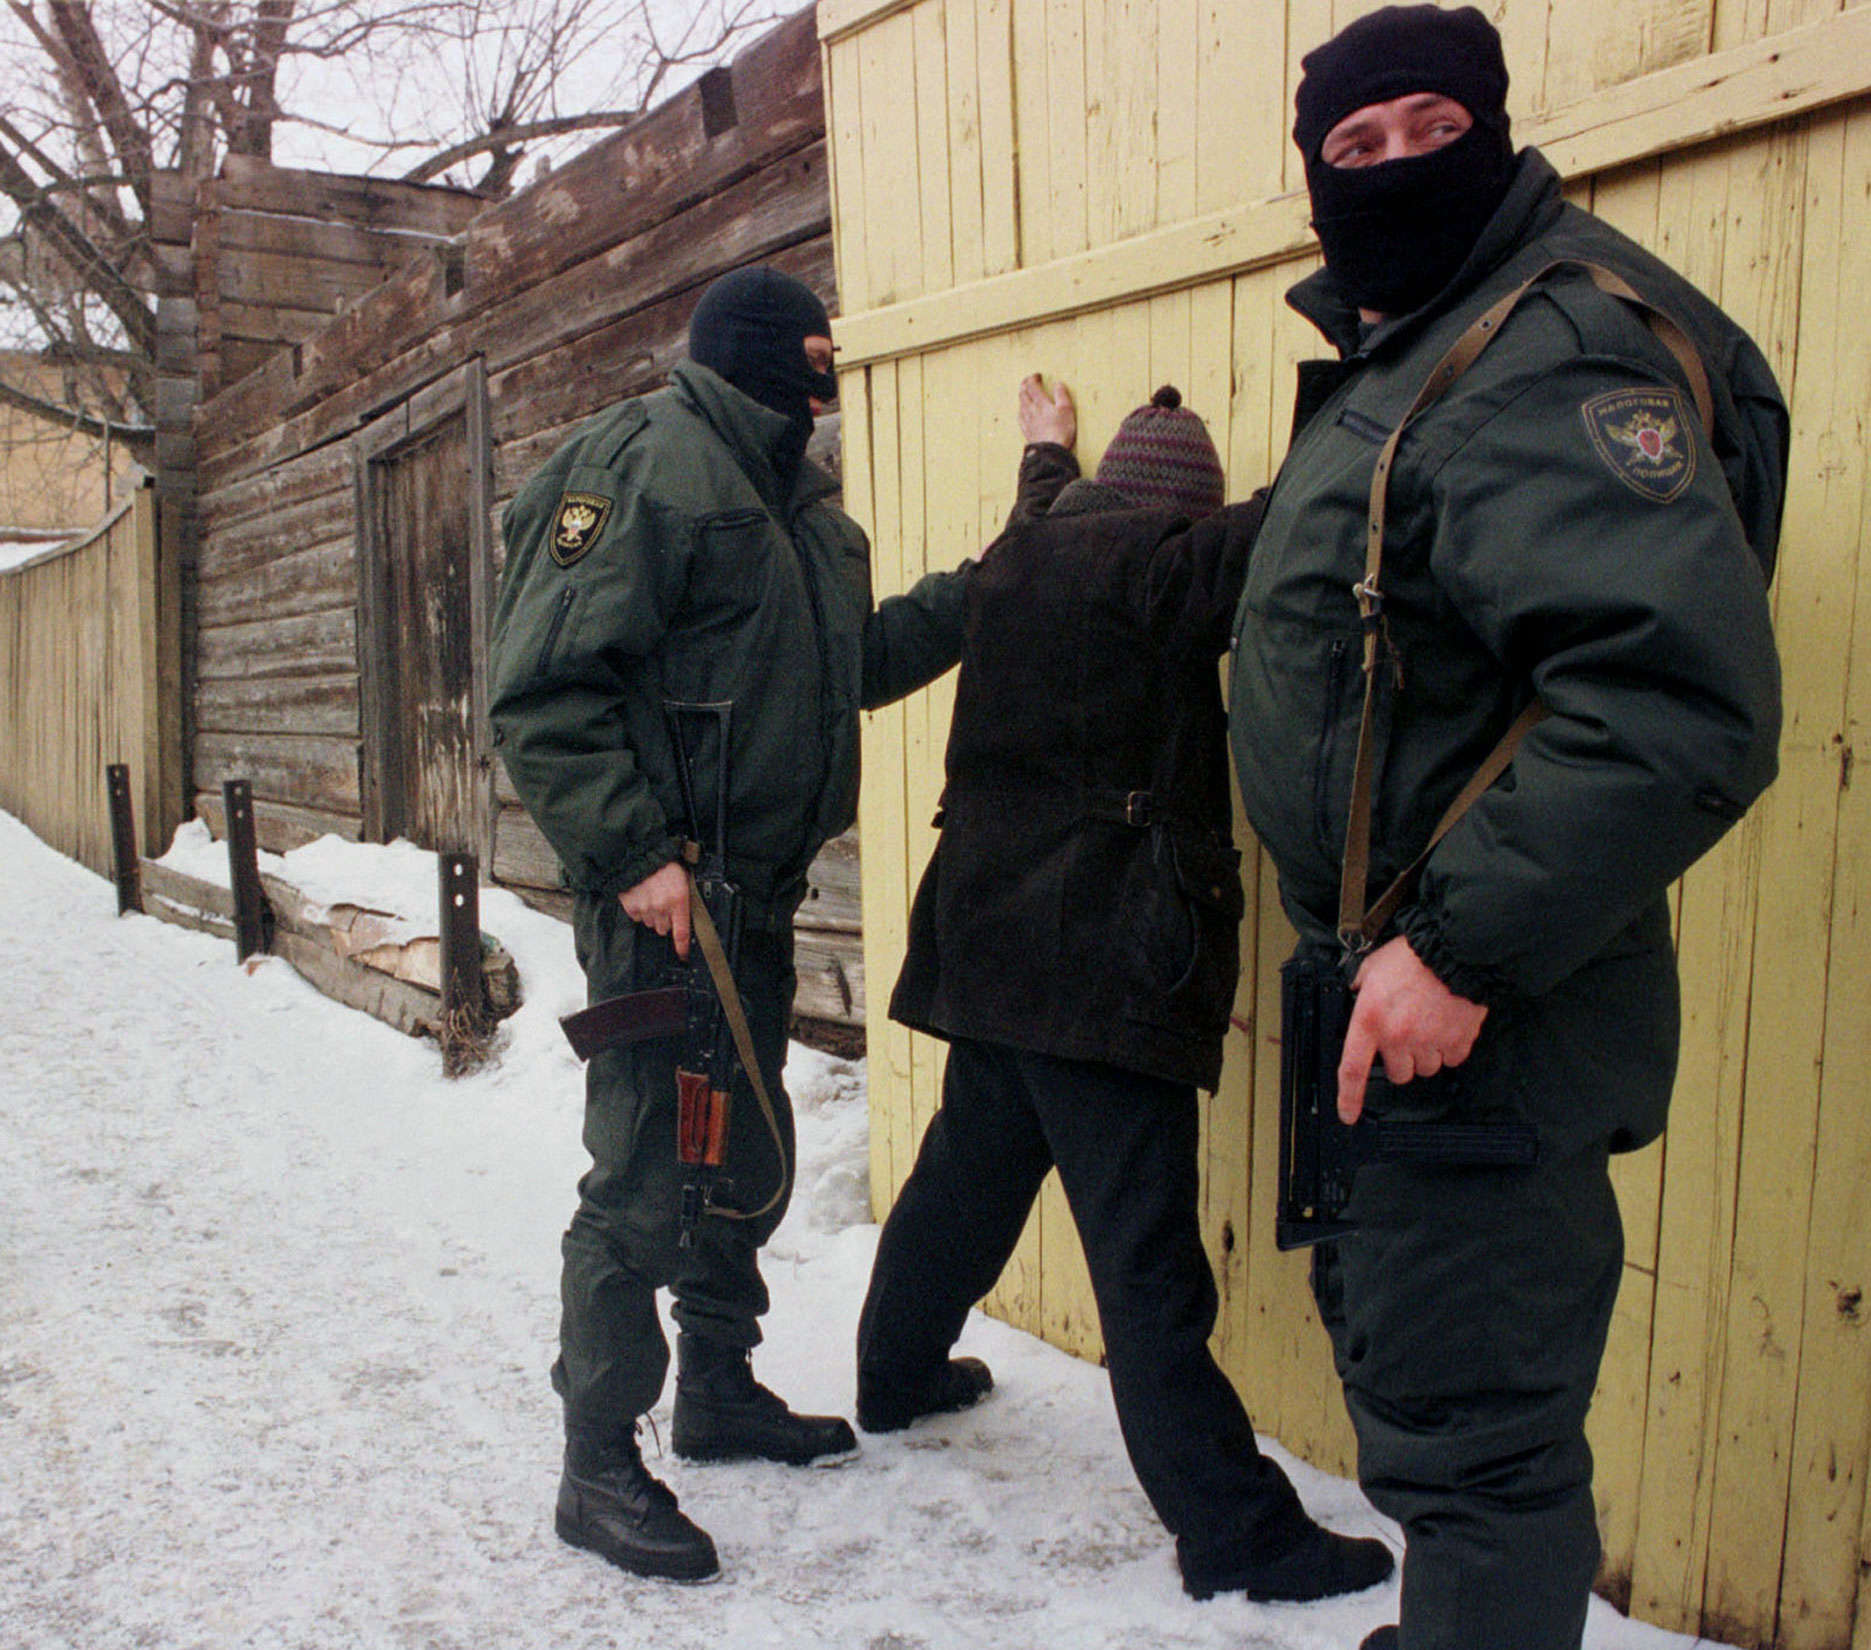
610, 1505
890, 1405
723, 1414
1286, 1559
1385, 1638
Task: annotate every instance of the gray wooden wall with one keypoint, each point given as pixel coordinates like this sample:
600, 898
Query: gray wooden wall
483, 351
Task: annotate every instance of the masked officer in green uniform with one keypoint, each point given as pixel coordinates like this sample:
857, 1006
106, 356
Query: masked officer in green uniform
1559, 528
681, 548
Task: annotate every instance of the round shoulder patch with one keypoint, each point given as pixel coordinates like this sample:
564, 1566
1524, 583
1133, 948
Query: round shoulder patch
576, 524
1643, 436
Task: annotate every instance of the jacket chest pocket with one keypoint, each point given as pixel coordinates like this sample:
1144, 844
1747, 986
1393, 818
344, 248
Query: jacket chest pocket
733, 565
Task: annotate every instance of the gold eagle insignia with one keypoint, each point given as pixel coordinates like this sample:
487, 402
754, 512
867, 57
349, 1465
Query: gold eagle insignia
576, 524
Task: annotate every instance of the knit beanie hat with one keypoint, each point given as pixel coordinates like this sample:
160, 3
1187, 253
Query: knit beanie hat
1394, 52
1162, 457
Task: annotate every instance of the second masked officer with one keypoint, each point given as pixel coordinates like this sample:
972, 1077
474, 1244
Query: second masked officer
682, 549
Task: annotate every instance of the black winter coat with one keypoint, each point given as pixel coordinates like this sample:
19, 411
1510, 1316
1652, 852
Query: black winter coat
1084, 900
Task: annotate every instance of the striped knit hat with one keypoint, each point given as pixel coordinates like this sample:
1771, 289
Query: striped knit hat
1162, 458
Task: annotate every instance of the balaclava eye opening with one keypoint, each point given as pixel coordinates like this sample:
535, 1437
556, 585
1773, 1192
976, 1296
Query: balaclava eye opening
1393, 235
751, 327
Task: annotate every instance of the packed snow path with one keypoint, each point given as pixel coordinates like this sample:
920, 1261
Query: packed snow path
276, 1309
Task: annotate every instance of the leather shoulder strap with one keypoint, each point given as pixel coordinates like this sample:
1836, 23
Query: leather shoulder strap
1359, 925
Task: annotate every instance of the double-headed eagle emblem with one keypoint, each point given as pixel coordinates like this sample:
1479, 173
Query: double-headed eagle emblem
576, 525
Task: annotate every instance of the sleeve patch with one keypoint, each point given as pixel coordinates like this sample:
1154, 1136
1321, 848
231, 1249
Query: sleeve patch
1643, 437
576, 524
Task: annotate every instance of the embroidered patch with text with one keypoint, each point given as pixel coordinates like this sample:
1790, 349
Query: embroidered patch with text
1643, 435
576, 525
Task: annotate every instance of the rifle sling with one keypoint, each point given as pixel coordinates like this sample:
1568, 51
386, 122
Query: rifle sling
715, 955
1359, 925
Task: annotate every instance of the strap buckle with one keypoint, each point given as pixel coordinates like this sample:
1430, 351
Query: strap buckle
1370, 599
1138, 808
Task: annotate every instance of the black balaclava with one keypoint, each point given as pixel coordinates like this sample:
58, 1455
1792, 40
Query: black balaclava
751, 327
1394, 234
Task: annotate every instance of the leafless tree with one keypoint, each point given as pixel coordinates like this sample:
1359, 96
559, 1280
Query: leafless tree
103, 94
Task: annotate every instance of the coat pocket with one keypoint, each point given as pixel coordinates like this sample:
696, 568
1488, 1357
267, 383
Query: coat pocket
1188, 920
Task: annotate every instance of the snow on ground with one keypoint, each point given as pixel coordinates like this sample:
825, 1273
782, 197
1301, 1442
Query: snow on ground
277, 1304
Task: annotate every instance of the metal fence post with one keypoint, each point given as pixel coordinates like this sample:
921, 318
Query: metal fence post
125, 862
253, 917
465, 1020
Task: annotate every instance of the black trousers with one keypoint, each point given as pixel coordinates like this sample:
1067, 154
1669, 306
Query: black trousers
623, 1243
1126, 1150
1468, 1313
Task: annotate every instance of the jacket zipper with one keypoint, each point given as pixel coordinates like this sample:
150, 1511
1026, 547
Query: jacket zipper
1328, 741
559, 614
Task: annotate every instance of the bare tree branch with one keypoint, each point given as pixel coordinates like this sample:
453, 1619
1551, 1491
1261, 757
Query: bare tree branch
139, 438
102, 89
86, 261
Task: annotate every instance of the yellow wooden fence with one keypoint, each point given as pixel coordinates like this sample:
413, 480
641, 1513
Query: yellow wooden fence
87, 678
1104, 190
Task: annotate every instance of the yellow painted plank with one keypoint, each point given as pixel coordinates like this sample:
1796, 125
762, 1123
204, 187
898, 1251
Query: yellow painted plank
840, 18
966, 200
1802, 70
892, 199
1032, 138
844, 119
1240, 134
1169, 357
1829, 505
1786, 1020
999, 183
1059, 78
884, 888
1701, 1154
1129, 91
932, 145
1739, 21
1176, 100
1622, 43
1206, 383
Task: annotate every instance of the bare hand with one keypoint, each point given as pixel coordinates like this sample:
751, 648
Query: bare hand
1047, 415
661, 901
1406, 1015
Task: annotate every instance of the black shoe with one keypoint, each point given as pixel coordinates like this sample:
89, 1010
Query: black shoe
609, 1504
890, 1406
1385, 1638
1310, 1563
723, 1414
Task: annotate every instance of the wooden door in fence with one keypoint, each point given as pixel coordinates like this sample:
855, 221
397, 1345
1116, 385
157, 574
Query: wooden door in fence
423, 501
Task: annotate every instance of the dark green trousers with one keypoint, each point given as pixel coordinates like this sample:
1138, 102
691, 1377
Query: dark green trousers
624, 1240
1468, 1316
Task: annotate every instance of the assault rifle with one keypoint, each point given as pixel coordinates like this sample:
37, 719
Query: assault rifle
1319, 1155
698, 1001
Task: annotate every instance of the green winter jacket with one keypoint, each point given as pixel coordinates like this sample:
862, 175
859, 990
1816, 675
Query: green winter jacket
1559, 527
652, 559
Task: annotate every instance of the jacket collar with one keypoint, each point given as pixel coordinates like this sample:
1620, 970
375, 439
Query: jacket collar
751, 432
1532, 204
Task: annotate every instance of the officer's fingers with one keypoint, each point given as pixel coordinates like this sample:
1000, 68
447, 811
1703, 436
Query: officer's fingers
679, 923
1354, 1067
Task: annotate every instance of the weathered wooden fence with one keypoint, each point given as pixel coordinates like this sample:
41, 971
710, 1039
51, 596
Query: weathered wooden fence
349, 488
1105, 190
87, 678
